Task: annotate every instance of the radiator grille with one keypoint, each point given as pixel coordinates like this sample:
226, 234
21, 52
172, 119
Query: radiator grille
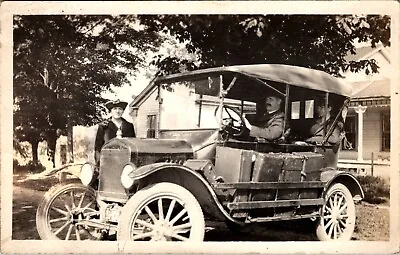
112, 162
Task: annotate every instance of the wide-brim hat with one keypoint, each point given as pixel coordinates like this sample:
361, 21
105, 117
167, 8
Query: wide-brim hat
115, 103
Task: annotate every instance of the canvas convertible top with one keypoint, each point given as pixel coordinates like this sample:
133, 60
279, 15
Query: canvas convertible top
285, 74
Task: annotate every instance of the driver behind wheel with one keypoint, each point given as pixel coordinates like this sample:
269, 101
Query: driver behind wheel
270, 125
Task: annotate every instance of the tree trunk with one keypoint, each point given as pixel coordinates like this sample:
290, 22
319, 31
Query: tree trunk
35, 145
51, 146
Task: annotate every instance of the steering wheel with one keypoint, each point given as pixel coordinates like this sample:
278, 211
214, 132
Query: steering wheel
232, 121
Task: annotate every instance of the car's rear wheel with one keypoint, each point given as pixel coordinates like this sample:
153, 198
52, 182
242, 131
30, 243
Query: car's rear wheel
162, 212
62, 210
338, 215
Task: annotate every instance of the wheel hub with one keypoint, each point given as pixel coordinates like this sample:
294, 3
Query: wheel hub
75, 216
162, 229
335, 215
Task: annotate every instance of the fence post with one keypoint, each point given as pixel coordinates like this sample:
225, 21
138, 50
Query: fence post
372, 164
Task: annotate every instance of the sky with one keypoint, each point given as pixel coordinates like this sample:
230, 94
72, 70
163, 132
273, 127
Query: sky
126, 92
171, 47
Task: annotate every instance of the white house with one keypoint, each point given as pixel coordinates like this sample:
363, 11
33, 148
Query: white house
368, 122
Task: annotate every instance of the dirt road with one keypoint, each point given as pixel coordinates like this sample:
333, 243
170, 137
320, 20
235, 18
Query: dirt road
25, 202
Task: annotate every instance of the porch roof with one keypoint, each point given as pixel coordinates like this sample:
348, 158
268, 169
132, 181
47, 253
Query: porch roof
373, 89
374, 93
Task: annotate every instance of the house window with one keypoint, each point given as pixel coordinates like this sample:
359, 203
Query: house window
350, 127
151, 126
386, 131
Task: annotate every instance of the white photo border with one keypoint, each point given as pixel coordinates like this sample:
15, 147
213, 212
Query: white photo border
8, 9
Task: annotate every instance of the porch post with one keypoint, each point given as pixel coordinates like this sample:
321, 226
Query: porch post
360, 111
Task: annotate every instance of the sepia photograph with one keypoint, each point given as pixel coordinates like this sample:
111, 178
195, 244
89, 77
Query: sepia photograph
228, 127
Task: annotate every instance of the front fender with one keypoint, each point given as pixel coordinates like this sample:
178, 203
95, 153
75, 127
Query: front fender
72, 169
332, 176
187, 178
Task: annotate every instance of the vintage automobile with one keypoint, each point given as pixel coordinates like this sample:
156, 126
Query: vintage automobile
168, 188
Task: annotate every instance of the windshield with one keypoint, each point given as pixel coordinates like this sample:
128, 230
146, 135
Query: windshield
192, 104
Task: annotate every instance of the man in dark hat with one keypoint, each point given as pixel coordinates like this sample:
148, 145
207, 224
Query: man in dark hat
270, 125
116, 126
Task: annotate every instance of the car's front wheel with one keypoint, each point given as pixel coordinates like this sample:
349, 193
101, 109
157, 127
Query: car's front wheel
63, 210
338, 215
162, 212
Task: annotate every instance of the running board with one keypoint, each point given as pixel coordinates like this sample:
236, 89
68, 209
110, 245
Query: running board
311, 216
270, 185
278, 203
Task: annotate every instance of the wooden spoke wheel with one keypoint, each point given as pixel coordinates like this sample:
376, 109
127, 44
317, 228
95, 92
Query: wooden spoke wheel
61, 212
162, 212
338, 215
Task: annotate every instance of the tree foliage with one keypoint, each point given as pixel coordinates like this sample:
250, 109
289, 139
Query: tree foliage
316, 41
63, 63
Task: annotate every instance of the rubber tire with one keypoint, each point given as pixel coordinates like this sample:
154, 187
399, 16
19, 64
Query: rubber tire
42, 212
351, 211
142, 197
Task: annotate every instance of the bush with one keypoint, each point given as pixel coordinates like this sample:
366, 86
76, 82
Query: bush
39, 184
376, 189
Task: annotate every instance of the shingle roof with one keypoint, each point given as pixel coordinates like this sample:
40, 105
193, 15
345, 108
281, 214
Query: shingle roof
374, 89
360, 53
363, 53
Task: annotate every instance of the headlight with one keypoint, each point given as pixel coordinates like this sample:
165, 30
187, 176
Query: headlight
87, 173
127, 181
